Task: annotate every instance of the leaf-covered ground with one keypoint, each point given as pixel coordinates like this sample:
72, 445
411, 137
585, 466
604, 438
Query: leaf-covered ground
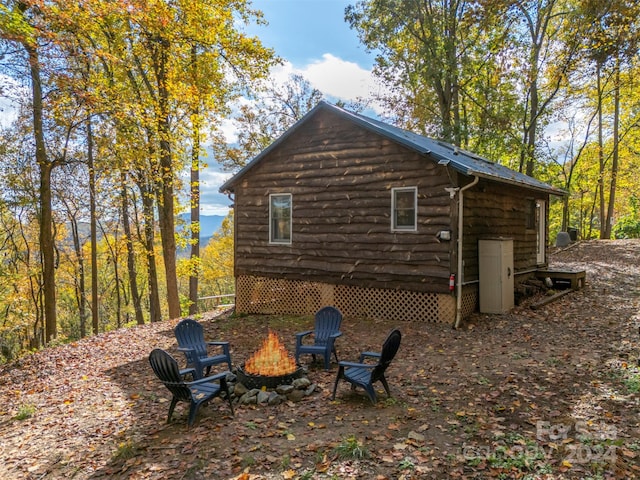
545, 393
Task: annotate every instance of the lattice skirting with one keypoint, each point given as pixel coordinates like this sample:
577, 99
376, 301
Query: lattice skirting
286, 297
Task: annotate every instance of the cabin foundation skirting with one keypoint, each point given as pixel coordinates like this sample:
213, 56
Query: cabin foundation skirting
290, 297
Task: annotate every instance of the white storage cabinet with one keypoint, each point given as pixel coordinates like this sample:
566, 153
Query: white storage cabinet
495, 257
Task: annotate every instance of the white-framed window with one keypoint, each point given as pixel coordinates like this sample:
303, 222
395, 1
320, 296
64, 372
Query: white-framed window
280, 207
404, 209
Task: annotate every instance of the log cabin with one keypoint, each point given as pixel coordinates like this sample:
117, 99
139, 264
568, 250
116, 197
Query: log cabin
349, 211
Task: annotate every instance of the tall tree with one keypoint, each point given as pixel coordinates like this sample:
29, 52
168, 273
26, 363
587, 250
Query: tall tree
538, 25
446, 69
161, 50
422, 45
19, 26
196, 132
131, 261
612, 45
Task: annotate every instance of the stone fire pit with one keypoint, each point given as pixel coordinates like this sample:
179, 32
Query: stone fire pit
269, 381
270, 376
294, 392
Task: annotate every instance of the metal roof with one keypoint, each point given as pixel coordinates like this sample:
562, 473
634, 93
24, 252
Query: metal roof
444, 153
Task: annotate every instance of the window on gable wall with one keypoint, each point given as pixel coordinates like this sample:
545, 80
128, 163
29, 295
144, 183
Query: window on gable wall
280, 218
404, 209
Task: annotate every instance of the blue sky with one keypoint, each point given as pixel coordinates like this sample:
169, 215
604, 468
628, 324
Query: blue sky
303, 31
315, 42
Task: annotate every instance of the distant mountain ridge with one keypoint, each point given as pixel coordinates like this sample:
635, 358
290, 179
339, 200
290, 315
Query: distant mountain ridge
209, 224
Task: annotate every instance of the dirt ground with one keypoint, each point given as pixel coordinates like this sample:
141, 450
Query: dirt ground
545, 393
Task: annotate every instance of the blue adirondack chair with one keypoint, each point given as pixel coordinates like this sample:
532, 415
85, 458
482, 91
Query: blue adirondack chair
191, 342
327, 329
366, 374
196, 393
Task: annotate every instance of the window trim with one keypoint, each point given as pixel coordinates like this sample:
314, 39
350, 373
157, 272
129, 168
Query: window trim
272, 241
414, 227
531, 214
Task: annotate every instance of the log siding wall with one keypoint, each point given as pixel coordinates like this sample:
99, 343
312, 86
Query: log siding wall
340, 177
496, 210
343, 249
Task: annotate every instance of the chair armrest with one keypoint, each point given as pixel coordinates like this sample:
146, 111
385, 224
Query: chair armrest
186, 371
335, 335
300, 336
224, 345
365, 355
357, 365
217, 376
185, 349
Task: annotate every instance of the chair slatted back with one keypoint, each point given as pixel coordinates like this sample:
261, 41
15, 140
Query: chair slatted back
389, 349
166, 369
190, 334
327, 322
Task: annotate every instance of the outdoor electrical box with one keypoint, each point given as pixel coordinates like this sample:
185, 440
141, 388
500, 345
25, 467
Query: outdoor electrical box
495, 256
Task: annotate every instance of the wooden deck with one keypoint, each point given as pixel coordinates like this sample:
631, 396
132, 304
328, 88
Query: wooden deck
575, 278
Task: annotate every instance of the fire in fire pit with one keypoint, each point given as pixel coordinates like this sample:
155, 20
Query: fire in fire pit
270, 366
271, 359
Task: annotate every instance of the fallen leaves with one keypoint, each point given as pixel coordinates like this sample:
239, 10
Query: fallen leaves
485, 389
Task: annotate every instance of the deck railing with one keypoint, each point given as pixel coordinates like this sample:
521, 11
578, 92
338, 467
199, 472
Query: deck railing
215, 301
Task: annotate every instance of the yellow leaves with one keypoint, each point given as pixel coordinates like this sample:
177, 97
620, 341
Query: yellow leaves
15, 27
288, 474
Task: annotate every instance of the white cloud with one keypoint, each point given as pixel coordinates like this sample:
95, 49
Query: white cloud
211, 201
334, 77
9, 91
339, 78
213, 208
229, 130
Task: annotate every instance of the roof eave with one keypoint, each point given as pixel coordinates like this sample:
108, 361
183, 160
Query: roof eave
442, 159
549, 190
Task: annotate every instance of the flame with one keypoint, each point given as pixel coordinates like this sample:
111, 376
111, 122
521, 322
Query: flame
271, 359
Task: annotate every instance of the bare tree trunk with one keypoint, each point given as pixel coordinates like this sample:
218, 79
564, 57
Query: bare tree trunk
46, 213
195, 197
131, 261
95, 304
155, 313
195, 219
530, 124
616, 153
600, 152
113, 250
81, 293
165, 193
